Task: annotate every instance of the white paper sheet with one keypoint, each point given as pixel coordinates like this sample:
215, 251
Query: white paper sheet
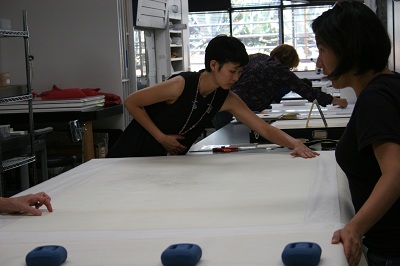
242, 209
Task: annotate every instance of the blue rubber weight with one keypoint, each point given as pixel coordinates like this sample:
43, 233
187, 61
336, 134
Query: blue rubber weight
183, 254
301, 253
51, 255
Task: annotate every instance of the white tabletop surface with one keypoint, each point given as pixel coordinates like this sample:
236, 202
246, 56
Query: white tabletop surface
240, 208
313, 123
330, 111
302, 111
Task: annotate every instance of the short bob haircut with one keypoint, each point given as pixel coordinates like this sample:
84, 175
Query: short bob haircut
287, 55
355, 35
224, 49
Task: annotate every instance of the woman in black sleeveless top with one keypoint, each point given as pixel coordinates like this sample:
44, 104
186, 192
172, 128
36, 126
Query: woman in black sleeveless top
170, 116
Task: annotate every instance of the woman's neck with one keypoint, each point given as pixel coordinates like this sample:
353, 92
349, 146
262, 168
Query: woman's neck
361, 81
207, 83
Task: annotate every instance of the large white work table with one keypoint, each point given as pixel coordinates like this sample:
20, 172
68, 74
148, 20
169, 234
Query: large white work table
240, 208
298, 126
330, 111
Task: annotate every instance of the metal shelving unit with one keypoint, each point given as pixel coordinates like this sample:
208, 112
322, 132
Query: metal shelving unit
13, 33
17, 162
172, 42
25, 157
16, 99
176, 48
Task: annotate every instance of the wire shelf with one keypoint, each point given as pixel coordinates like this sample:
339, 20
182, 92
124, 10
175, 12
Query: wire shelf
13, 33
17, 162
19, 98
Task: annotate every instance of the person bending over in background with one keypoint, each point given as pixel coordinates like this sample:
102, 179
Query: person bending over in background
266, 76
170, 116
28, 203
354, 48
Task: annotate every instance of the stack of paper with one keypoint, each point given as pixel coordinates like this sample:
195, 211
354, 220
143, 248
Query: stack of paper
54, 105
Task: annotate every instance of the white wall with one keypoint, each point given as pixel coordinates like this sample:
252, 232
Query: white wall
76, 44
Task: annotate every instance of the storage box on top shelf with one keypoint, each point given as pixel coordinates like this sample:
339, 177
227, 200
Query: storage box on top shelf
5, 24
12, 90
5, 79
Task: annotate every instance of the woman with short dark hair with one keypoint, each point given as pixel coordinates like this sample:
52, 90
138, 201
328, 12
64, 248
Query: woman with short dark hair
170, 116
353, 52
267, 78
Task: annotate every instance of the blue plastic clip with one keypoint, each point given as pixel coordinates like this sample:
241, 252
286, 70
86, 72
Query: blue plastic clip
46, 256
301, 253
183, 254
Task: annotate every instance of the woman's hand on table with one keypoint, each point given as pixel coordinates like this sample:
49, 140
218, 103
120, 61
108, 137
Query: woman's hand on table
29, 203
301, 150
351, 244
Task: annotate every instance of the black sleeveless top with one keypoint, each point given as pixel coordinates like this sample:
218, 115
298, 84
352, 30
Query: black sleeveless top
170, 119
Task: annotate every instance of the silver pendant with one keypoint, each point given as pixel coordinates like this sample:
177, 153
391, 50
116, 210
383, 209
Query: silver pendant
194, 106
209, 109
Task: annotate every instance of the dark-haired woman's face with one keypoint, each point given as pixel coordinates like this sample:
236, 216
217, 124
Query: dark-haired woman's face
326, 59
228, 74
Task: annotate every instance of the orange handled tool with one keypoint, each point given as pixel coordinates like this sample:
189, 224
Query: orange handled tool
225, 149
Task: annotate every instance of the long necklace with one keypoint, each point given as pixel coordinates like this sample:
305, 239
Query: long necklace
194, 106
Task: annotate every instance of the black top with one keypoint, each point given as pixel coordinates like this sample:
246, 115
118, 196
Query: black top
376, 117
170, 118
263, 78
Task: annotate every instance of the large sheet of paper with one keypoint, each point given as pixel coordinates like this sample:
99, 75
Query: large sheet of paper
242, 209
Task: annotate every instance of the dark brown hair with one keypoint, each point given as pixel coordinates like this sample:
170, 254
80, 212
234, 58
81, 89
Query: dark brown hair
287, 55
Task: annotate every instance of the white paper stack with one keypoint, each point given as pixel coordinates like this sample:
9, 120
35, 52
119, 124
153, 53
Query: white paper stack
54, 105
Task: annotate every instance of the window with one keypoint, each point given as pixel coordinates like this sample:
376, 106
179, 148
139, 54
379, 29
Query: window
298, 33
257, 29
261, 25
202, 28
140, 59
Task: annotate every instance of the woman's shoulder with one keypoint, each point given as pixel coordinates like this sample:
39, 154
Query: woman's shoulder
391, 80
184, 77
188, 74
385, 87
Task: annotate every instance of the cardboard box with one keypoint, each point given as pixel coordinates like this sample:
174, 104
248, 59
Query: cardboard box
100, 142
12, 91
5, 79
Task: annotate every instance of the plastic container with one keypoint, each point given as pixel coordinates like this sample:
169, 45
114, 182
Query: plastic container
4, 131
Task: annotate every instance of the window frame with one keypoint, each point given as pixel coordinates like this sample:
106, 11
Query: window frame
307, 61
